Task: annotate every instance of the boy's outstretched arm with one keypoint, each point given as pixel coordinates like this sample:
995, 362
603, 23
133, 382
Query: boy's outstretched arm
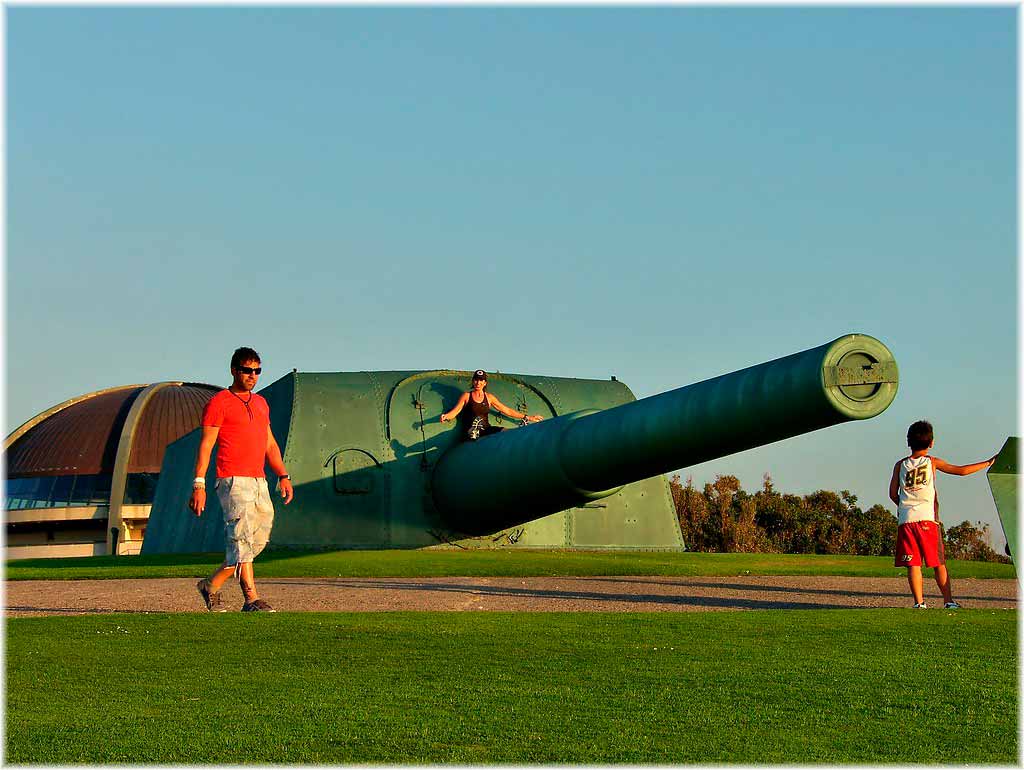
894, 484
961, 470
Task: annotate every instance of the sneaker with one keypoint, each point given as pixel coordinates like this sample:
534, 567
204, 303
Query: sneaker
257, 605
951, 606
921, 606
212, 599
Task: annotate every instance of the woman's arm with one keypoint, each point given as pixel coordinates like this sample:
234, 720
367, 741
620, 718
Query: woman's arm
496, 403
456, 409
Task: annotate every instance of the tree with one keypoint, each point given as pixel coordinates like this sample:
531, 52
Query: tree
724, 517
772, 516
721, 495
692, 511
965, 541
874, 532
747, 536
829, 515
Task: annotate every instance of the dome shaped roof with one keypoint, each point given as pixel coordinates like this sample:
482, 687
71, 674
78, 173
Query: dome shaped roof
82, 435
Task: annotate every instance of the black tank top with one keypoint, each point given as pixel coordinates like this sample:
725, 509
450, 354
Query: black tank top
477, 411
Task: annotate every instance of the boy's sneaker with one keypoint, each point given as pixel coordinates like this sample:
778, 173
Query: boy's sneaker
920, 606
257, 605
212, 599
951, 606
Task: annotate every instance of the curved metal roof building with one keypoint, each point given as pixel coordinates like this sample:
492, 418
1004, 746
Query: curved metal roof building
81, 475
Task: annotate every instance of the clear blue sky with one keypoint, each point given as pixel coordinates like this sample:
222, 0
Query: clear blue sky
661, 194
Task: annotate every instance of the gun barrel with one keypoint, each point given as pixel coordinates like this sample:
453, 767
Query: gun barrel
521, 475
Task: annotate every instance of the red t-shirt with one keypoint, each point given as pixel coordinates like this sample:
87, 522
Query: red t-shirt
242, 441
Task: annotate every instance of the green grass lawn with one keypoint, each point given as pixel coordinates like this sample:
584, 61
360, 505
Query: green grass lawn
458, 563
871, 686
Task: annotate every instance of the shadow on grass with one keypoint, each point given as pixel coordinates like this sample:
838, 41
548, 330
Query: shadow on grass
1010, 597
77, 610
506, 592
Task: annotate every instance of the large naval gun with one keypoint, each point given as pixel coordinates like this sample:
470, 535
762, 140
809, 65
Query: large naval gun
374, 468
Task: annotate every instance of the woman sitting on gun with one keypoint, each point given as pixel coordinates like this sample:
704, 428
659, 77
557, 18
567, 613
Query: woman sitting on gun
475, 423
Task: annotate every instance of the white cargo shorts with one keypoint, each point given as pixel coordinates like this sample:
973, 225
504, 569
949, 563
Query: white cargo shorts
248, 517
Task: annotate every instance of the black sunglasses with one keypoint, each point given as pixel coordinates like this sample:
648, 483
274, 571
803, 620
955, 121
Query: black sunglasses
250, 369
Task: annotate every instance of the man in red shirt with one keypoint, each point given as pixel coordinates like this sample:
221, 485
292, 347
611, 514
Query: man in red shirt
238, 422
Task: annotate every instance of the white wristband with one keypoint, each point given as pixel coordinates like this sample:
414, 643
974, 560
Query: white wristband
199, 481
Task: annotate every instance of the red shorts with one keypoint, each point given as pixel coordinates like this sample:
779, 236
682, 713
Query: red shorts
919, 540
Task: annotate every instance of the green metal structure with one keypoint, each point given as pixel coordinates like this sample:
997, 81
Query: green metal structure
374, 468
1002, 480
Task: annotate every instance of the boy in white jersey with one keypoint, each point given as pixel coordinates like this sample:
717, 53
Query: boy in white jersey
912, 489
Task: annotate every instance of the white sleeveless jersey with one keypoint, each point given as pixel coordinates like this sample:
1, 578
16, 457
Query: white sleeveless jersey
917, 490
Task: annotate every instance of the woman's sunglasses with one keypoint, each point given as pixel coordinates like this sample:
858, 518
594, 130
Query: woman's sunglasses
250, 369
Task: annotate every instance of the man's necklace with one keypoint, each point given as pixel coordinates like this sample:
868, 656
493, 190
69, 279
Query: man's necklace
245, 403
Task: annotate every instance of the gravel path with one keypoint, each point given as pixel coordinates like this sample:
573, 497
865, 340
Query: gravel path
536, 594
